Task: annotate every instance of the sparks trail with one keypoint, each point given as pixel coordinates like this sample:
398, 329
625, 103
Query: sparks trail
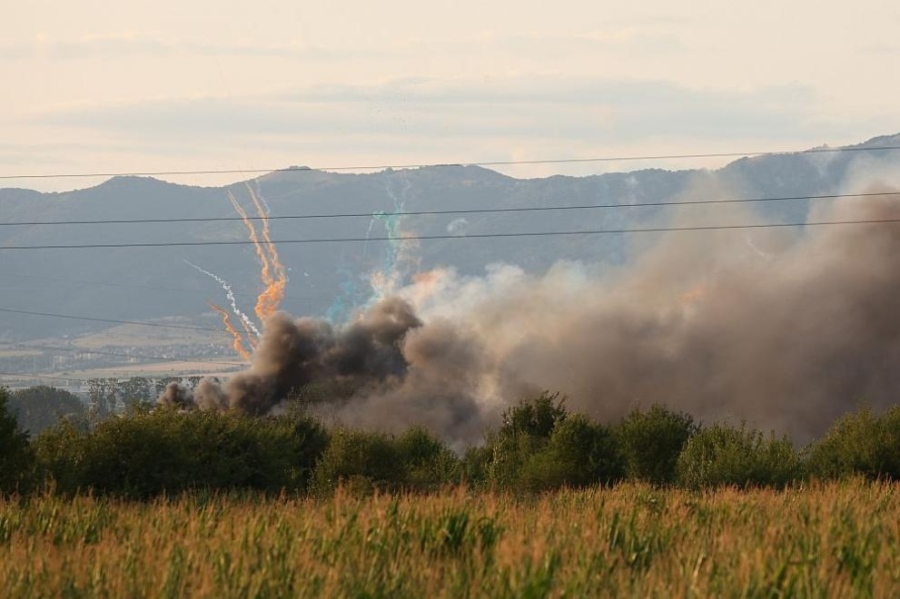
229, 293
270, 299
238, 341
257, 247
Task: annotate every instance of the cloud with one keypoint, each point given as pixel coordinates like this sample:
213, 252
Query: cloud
129, 45
631, 38
548, 107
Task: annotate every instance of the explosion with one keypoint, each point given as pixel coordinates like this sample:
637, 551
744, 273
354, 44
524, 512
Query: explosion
787, 339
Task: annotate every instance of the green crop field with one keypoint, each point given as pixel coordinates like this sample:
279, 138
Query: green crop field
838, 539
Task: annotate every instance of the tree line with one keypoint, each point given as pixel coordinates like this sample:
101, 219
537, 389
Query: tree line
539, 445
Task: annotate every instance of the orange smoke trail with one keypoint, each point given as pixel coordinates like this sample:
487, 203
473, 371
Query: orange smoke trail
270, 299
251, 336
264, 274
238, 341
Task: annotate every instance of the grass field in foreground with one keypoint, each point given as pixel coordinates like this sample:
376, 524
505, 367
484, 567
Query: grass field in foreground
834, 540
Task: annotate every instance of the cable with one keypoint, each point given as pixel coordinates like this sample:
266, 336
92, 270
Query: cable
455, 211
374, 167
442, 237
110, 320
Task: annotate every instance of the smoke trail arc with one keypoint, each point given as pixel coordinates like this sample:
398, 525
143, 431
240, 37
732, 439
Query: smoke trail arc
247, 324
271, 297
238, 341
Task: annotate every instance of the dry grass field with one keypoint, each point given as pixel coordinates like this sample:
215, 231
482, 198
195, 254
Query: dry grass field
833, 540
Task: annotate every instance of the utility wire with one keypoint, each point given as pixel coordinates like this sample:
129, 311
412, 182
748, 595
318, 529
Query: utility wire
110, 320
375, 167
454, 211
442, 237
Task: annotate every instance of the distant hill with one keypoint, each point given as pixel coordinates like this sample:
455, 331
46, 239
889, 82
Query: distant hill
330, 278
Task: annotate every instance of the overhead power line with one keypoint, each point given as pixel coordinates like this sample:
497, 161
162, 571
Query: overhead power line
486, 163
110, 320
409, 238
454, 211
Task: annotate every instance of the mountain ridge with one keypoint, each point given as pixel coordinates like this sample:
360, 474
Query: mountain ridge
330, 279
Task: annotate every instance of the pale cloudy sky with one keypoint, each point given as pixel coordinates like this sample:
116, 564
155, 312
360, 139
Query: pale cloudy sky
108, 86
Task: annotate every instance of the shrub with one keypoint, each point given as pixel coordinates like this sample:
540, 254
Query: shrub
41, 407
476, 464
579, 453
536, 418
525, 432
353, 455
725, 455
540, 446
15, 453
427, 462
166, 451
651, 442
859, 443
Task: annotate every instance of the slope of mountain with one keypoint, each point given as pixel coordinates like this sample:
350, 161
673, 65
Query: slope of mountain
331, 278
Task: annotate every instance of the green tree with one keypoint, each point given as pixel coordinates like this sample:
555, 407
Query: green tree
525, 432
579, 453
428, 463
359, 458
104, 396
15, 452
41, 407
725, 455
651, 442
859, 443
144, 454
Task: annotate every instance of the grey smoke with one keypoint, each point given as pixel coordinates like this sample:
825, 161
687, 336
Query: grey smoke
293, 353
699, 322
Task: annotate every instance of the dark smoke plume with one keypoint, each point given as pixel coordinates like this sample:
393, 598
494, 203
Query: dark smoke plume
785, 332
294, 353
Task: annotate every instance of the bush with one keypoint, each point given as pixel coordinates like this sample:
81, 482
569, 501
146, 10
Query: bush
41, 407
525, 432
536, 418
476, 464
165, 451
651, 442
579, 453
353, 456
15, 453
541, 447
428, 463
860, 443
724, 455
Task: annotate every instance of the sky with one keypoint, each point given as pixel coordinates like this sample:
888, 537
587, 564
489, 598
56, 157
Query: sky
102, 86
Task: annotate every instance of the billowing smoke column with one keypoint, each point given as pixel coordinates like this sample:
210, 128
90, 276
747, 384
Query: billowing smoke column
294, 353
786, 333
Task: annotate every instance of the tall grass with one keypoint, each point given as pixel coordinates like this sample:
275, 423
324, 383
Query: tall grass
832, 540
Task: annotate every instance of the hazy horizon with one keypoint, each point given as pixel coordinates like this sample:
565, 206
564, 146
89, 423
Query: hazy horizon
161, 87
